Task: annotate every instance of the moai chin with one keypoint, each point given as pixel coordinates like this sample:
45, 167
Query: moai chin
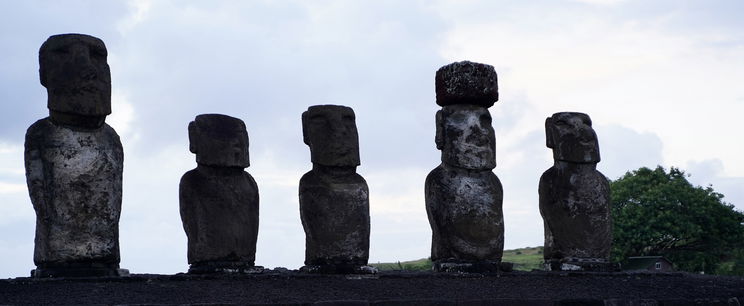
463, 195
74, 163
218, 199
575, 197
334, 199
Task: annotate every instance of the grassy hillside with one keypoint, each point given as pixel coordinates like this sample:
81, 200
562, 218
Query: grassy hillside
524, 259
423, 264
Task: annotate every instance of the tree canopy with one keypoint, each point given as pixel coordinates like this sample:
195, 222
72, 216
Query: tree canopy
656, 212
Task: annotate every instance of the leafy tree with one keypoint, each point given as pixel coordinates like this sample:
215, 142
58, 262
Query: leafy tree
660, 213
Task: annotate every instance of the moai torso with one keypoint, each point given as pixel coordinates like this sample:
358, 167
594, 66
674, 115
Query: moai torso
575, 197
218, 199
463, 196
74, 178
335, 213
334, 199
465, 207
74, 163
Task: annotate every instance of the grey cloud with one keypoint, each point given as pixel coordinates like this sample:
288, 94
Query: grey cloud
710, 173
24, 26
623, 149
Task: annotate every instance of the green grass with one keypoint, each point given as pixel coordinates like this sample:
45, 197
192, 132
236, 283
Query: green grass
423, 264
524, 259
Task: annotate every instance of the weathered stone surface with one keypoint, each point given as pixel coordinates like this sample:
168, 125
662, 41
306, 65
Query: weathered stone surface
575, 197
463, 196
466, 137
334, 199
330, 132
74, 163
219, 140
466, 83
218, 199
74, 70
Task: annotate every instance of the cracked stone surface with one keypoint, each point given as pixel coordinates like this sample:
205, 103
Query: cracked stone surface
334, 199
74, 163
574, 196
466, 83
463, 196
219, 201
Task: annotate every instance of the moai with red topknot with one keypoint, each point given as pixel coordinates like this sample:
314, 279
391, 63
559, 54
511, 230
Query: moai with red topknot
463, 195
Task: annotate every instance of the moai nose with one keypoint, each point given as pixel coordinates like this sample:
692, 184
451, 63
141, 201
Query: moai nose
83, 63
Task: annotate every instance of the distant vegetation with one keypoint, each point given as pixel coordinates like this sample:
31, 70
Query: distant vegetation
524, 259
423, 264
656, 212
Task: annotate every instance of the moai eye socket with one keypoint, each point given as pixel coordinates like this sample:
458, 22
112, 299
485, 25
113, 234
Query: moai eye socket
61, 50
98, 53
318, 120
485, 120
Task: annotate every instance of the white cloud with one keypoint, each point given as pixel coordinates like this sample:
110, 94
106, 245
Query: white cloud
122, 116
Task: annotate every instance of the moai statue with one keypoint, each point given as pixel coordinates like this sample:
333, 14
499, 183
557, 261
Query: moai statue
74, 163
334, 199
218, 199
575, 197
463, 195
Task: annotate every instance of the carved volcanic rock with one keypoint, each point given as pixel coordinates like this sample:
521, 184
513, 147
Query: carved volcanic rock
334, 199
463, 196
575, 204
334, 208
575, 197
74, 71
219, 210
74, 163
464, 209
218, 200
74, 178
466, 83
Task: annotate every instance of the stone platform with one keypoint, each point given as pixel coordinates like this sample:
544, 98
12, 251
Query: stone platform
283, 287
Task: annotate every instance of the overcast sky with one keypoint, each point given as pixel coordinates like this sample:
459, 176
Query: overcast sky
663, 82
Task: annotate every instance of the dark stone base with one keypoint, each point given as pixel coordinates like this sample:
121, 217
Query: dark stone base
581, 264
460, 266
78, 270
339, 269
225, 267
290, 287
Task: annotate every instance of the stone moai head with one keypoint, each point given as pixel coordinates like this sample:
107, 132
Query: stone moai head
464, 132
219, 140
330, 132
74, 70
466, 137
572, 138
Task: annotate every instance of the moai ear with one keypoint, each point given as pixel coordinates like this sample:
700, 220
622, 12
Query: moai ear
549, 141
42, 76
193, 137
439, 137
304, 128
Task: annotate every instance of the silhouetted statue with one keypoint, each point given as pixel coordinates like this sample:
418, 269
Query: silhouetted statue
575, 197
74, 163
463, 195
219, 201
334, 199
